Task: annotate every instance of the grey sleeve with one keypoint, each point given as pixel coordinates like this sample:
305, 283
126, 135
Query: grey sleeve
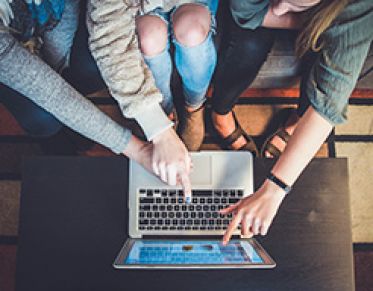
249, 14
30, 76
336, 70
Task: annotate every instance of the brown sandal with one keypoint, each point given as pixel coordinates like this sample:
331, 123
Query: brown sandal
226, 142
281, 132
270, 147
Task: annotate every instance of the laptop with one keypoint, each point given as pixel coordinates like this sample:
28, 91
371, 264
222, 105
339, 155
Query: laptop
167, 233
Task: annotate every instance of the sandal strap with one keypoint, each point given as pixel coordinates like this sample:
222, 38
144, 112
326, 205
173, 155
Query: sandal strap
273, 150
233, 137
283, 134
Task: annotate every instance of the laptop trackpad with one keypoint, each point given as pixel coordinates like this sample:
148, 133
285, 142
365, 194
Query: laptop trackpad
201, 173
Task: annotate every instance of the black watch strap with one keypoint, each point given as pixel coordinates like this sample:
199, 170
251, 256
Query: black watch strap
279, 183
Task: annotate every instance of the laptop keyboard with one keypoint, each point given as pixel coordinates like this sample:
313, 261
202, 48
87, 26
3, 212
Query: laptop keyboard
165, 210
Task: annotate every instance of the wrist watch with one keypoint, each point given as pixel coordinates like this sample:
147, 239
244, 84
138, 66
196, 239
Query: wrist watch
279, 183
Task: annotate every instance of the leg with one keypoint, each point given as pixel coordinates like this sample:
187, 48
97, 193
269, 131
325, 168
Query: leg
195, 53
195, 59
276, 143
32, 118
58, 41
83, 73
153, 37
243, 54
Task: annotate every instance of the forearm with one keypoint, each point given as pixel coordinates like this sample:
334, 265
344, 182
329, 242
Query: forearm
114, 45
30, 76
309, 135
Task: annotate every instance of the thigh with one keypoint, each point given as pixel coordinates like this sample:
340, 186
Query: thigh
58, 41
83, 73
152, 31
32, 118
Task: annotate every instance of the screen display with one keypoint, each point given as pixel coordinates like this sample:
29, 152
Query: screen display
191, 252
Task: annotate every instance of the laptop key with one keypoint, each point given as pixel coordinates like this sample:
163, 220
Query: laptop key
145, 207
146, 200
144, 221
201, 193
233, 200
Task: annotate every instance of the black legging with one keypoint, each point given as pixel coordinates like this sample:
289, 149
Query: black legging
243, 53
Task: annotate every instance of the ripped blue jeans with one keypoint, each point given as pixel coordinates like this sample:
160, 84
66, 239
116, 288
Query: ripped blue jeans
194, 64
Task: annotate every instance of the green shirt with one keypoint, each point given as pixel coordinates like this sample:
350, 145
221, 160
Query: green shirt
338, 64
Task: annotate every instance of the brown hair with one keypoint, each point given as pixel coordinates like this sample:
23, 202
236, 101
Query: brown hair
319, 19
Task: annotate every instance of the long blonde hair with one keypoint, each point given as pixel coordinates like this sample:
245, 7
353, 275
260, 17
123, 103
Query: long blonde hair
319, 19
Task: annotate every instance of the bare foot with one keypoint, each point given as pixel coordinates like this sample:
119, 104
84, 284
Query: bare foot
225, 125
278, 142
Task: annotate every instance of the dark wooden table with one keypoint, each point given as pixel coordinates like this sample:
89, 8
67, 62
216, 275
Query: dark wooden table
73, 223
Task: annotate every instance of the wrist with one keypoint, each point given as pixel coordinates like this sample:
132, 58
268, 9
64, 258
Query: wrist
278, 182
273, 190
135, 148
163, 135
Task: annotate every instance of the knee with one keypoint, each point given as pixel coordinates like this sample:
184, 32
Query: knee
191, 24
152, 33
41, 124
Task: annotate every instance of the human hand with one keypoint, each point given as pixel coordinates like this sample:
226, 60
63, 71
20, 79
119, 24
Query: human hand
255, 212
6, 13
171, 161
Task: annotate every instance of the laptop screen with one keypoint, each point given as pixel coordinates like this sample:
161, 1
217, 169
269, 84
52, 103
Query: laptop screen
158, 252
